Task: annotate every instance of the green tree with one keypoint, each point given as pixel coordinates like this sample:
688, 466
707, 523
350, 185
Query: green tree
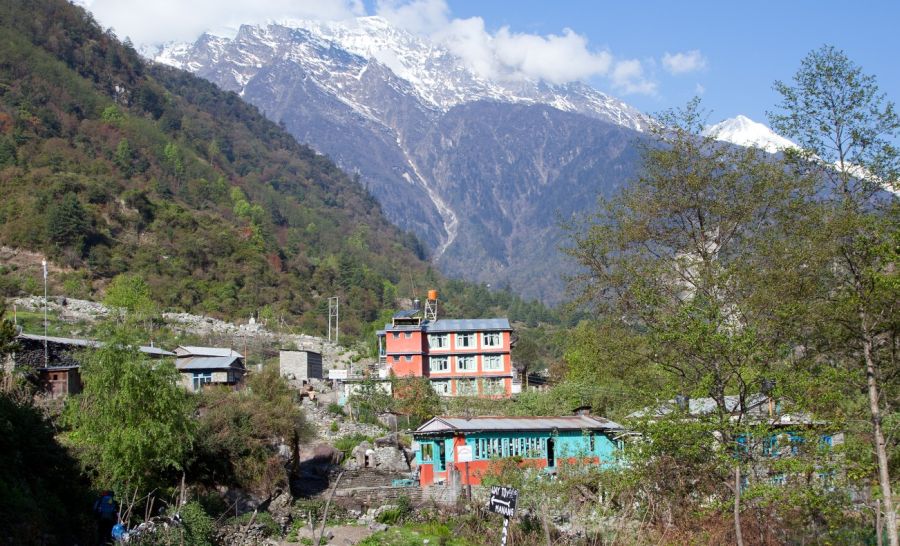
130, 293
130, 427
847, 130
416, 398
239, 433
8, 335
669, 256
67, 223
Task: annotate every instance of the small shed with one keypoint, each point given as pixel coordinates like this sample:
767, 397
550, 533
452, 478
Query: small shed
201, 366
300, 366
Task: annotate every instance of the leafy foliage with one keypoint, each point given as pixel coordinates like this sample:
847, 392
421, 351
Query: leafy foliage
42, 495
131, 426
239, 433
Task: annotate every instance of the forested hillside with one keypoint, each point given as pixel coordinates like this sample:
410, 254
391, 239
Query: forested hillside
109, 165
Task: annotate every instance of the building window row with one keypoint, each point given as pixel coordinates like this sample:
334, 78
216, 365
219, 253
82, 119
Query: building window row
493, 448
466, 341
489, 363
470, 387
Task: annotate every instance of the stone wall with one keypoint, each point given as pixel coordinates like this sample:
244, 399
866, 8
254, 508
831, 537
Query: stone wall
299, 366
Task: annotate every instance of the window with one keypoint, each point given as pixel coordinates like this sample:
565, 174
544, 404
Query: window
407, 335
466, 387
492, 363
201, 378
439, 341
426, 450
488, 448
441, 387
396, 335
493, 386
439, 364
407, 358
465, 341
491, 339
465, 363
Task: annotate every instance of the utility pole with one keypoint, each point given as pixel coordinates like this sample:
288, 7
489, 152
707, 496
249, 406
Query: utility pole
333, 318
46, 352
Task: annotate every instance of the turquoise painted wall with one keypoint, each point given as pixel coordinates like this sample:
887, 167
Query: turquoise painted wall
528, 445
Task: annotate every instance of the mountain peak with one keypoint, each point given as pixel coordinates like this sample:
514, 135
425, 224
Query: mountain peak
440, 79
743, 131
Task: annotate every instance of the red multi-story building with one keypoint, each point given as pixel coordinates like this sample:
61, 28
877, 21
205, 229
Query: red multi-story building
461, 357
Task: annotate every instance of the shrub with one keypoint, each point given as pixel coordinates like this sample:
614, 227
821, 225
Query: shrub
335, 409
347, 443
198, 525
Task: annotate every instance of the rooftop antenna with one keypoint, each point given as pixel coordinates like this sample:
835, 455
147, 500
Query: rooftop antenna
431, 305
333, 316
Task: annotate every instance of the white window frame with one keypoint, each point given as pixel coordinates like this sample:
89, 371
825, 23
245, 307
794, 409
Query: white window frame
470, 390
468, 336
496, 339
471, 367
441, 387
486, 359
444, 362
493, 385
438, 341
200, 379
407, 335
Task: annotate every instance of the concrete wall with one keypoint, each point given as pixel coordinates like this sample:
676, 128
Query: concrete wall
300, 365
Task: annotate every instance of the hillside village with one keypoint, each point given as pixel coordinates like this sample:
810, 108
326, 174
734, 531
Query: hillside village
213, 333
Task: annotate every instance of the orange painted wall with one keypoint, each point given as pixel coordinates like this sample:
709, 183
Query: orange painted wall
402, 344
401, 367
426, 474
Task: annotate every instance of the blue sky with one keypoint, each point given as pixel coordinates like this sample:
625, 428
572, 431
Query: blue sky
746, 45
654, 55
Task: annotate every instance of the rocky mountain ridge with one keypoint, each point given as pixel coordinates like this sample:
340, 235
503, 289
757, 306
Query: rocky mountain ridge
481, 171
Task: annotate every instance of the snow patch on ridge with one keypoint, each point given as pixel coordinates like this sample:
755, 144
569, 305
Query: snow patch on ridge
743, 131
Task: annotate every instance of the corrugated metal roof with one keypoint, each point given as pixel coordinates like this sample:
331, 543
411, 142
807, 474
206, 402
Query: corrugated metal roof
188, 350
156, 351
496, 424
463, 325
453, 325
209, 363
407, 313
63, 340
91, 343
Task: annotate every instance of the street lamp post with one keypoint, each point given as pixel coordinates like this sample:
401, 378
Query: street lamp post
46, 353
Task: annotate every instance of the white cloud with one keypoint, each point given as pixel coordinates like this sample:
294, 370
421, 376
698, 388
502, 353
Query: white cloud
682, 63
417, 16
628, 77
166, 20
699, 89
501, 54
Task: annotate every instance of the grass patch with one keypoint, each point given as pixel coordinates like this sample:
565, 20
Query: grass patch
413, 534
347, 443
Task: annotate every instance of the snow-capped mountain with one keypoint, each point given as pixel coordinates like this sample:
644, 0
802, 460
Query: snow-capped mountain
437, 77
479, 170
743, 131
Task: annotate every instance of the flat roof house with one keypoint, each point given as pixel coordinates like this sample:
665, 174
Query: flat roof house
461, 357
538, 442
201, 366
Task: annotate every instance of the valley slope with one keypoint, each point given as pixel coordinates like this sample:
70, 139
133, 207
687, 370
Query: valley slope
480, 170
